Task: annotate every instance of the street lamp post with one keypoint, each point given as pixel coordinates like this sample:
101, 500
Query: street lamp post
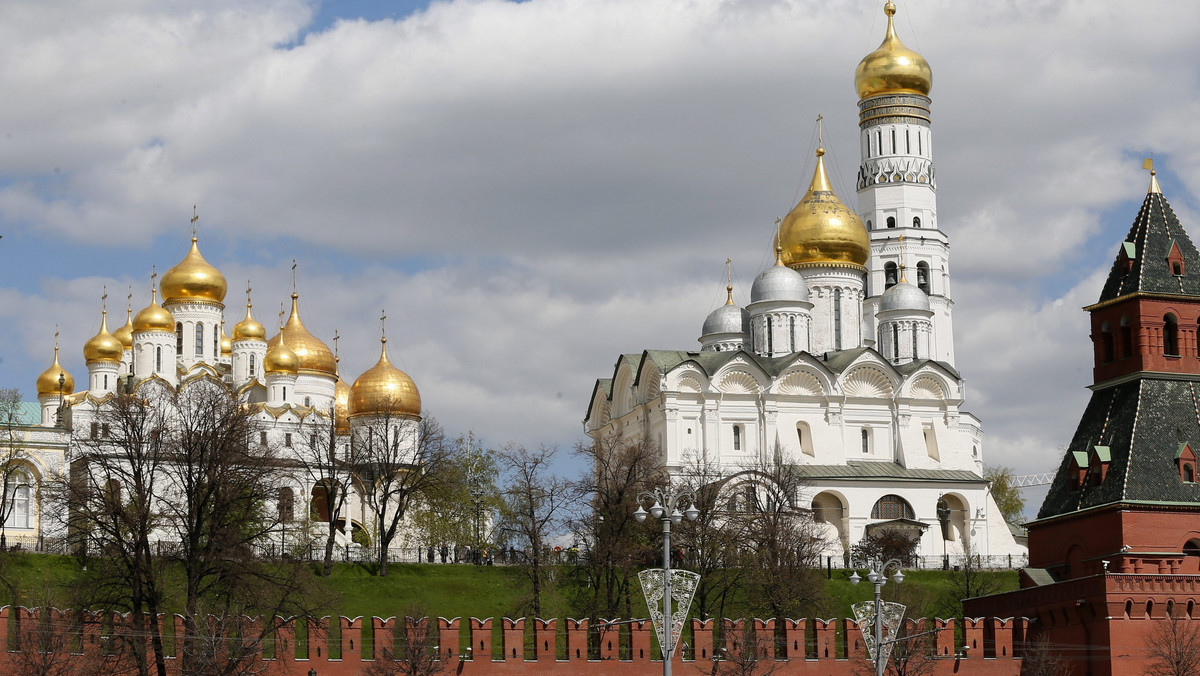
666, 508
879, 579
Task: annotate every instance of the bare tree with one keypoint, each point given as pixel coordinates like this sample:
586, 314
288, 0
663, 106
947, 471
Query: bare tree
331, 476
414, 651
399, 461
745, 654
112, 494
1040, 658
615, 545
13, 475
1174, 647
968, 580
534, 502
780, 561
711, 544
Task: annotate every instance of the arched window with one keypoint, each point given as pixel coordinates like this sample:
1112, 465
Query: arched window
893, 141
308, 401
179, 338
1106, 344
287, 505
915, 353
916, 221
737, 437
216, 340
770, 336
837, 319
1126, 338
866, 440
1189, 473
868, 224
1170, 335
891, 221
792, 332
18, 500
895, 341
890, 275
158, 359
252, 363
923, 276
199, 339
892, 507
907, 142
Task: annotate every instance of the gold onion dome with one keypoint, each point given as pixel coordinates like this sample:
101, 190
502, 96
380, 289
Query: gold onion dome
47, 383
341, 405
892, 67
125, 333
314, 355
226, 343
103, 346
281, 359
249, 328
153, 317
820, 229
193, 279
384, 389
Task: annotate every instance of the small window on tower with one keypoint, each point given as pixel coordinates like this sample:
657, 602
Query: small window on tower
1177, 268
868, 224
889, 275
1106, 344
737, 437
916, 221
1170, 335
923, 276
1126, 338
891, 221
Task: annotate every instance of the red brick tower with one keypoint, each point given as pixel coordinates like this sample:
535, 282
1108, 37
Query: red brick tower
1116, 545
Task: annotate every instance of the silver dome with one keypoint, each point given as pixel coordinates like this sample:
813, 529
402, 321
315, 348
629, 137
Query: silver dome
779, 282
904, 296
727, 319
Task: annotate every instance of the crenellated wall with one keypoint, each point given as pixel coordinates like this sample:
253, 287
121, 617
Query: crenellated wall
483, 647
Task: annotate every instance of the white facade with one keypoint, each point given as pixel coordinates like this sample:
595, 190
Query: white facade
841, 367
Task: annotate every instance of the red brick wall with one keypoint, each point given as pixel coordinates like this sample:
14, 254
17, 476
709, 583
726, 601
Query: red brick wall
829, 641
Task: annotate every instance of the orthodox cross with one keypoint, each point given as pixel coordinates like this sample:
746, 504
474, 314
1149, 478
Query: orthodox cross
281, 316
56, 339
153, 278
248, 293
129, 300
383, 324
195, 217
820, 131
293, 275
336, 338
104, 300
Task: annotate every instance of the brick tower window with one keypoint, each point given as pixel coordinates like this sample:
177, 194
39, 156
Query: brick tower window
1126, 338
1170, 335
1106, 344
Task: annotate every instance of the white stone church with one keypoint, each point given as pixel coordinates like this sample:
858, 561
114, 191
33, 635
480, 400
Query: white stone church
842, 364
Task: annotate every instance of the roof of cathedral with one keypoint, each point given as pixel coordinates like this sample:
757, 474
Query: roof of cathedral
1140, 427
892, 67
858, 470
1151, 239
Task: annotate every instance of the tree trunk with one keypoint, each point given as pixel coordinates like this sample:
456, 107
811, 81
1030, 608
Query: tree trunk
329, 538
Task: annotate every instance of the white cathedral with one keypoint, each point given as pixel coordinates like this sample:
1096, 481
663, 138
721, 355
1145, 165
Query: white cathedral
289, 382
842, 364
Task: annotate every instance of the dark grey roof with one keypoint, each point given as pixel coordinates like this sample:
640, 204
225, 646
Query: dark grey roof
1153, 232
859, 470
1142, 423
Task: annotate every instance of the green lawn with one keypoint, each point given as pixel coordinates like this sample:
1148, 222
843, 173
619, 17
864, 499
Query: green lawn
463, 590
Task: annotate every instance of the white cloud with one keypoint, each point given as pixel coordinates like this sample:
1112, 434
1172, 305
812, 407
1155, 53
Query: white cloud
533, 188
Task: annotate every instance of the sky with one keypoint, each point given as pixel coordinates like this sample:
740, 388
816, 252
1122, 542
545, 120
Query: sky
531, 189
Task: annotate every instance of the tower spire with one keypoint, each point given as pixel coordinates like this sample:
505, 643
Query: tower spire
1154, 188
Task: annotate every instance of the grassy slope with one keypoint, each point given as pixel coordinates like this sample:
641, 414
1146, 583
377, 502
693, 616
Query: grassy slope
458, 590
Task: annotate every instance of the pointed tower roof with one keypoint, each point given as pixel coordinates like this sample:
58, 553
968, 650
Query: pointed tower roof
1144, 259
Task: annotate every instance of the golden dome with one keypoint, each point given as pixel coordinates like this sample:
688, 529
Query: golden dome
820, 229
384, 389
892, 67
47, 383
314, 355
153, 317
341, 405
249, 328
193, 279
280, 359
226, 343
125, 333
103, 346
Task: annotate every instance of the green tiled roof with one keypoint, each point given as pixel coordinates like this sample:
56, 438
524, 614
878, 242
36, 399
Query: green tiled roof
1148, 243
859, 470
1143, 424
